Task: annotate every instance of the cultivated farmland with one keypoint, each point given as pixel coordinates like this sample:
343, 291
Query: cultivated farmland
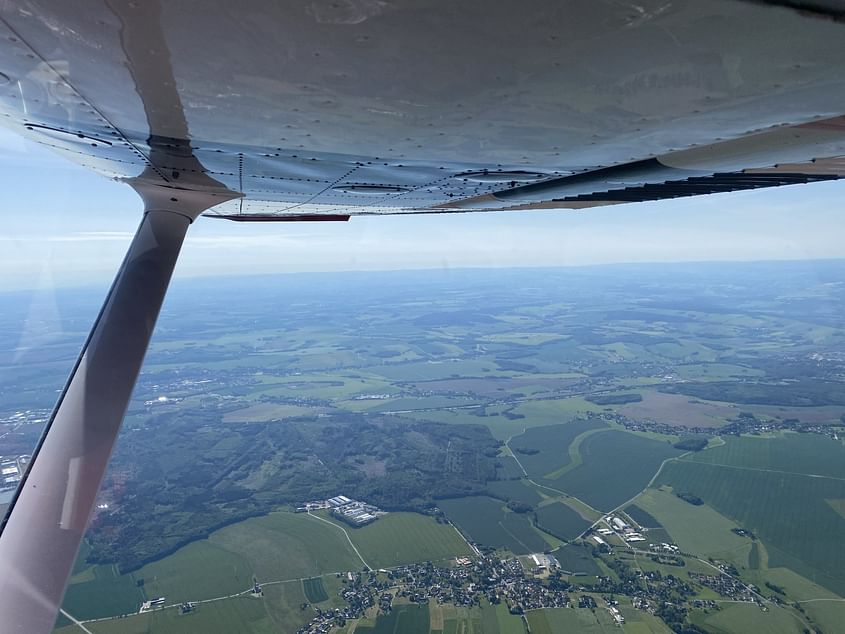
519, 490
403, 619
616, 466
485, 521
314, 590
401, 538
543, 450
561, 521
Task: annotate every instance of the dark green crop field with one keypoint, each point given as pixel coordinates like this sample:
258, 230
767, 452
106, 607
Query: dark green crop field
543, 450
314, 590
641, 517
615, 466
561, 521
484, 521
517, 490
577, 559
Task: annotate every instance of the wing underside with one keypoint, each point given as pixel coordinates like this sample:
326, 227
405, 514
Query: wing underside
350, 108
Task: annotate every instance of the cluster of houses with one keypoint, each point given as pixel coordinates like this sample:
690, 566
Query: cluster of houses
727, 586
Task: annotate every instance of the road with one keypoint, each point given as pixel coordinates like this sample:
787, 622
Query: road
349, 539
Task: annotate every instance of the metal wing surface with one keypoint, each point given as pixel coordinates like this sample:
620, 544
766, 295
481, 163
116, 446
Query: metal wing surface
330, 108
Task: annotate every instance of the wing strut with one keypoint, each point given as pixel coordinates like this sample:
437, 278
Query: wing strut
46, 521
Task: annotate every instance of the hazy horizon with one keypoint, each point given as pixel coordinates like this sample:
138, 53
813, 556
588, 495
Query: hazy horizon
78, 225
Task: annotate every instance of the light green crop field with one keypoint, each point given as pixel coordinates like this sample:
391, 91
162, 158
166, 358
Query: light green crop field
696, 529
714, 371
286, 545
329, 386
824, 607
403, 619
554, 412
415, 403
274, 547
508, 623
263, 412
742, 618
536, 414
430, 370
483, 619
282, 602
242, 615
402, 538
638, 622
201, 570
581, 620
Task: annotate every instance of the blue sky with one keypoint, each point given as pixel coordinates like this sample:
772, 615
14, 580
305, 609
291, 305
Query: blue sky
63, 225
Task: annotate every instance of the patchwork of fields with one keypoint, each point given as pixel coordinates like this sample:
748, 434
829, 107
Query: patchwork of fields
280, 546
440, 396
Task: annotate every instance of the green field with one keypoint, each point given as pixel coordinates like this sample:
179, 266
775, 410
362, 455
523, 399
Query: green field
557, 620
314, 590
430, 370
741, 618
577, 559
561, 521
283, 603
641, 517
403, 619
232, 616
696, 529
498, 620
616, 466
543, 450
485, 521
507, 468
288, 545
403, 538
274, 547
484, 619
201, 570
789, 452
769, 489
541, 413
100, 591
517, 490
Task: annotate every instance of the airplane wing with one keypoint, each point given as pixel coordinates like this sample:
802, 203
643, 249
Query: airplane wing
351, 107
298, 110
